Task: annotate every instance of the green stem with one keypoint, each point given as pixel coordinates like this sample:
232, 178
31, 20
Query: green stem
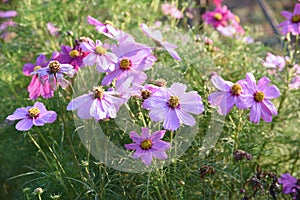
40, 149
40, 197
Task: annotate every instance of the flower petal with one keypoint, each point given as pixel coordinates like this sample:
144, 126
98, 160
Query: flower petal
263, 83
271, 92
255, 113
160, 155
20, 113
24, 124
171, 121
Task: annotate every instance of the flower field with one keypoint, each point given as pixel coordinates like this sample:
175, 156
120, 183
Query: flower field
149, 99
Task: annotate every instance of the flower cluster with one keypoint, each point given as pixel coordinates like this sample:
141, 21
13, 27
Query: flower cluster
171, 9
122, 64
245, 94
224, 21
278, 65
4, 34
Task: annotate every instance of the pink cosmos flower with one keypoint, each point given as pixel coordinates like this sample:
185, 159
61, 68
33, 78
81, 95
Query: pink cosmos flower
292, 24
259, 97
219, 17
36, 88
157, 37
148, 145
55, 72
32, 115
98, 54
8, 14
98, 104
229, 94
72, 56
52, 29
274, 63
224, 21
170, 9
133, 59
173, 105
291, 185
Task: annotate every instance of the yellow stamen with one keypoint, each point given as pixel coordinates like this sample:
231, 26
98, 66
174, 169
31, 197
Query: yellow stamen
108, 22
54, 66
100, 50
236, 89
33, 112
125, 63
74, 53
145, 94
98, 92
37, 67
173, 101
237, 19
296, 18
146, 144
217, 16
259, 96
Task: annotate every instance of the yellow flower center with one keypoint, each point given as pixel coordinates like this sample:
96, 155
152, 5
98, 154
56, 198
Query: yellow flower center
259, 96
173, 101
98, 92
236, 89
237, 19
145, 94
33, 112
74, 53
296, 18
100, 50
125, 63
54, 66
108, 22
217, 16
146, 144
37, 67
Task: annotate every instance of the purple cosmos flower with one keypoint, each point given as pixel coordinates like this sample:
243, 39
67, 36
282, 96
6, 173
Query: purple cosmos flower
32, 115
148, 145
157, 37
259, 97
173, 106
8, 14
105, 61
72, 56
108, 29
56, 73
229, 94
170, 9
98, 104
292, 24
36, 88
274, 62
133, 59
291, 185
